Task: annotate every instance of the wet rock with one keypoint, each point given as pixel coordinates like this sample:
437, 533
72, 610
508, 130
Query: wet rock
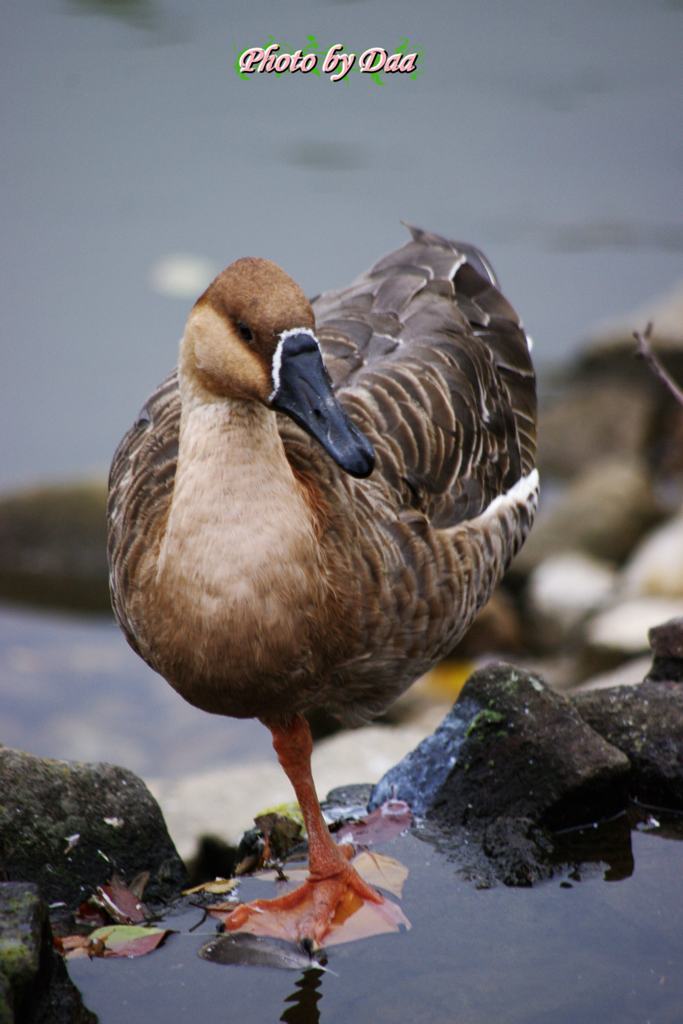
561, 592
666, 641
34, 985
646, 723
603, 514
421, 775
622, 630
656, 566
511, 759
343, 799
68, 826
53, 546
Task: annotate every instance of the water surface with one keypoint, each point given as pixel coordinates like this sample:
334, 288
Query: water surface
543, 132
567, 951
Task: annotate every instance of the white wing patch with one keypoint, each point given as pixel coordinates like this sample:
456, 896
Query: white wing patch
520, 493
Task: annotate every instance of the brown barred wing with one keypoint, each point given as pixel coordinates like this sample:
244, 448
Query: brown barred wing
140, 491
433, 363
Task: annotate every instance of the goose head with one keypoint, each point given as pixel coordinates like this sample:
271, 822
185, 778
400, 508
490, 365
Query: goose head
251, 336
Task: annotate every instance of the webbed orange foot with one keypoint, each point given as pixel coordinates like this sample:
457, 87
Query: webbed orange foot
308, 913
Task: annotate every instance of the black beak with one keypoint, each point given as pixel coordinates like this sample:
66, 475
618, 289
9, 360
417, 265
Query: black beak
303, 390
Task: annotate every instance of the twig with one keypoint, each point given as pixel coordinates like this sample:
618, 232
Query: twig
202, 919
644, 351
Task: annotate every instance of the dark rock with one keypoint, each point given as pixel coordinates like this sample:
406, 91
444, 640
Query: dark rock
509, 747
510, 761
421, 775
348, 796
53, 546
250, 852
214, 859
68, 826
34, 985
345, 802
666, 642
646, 723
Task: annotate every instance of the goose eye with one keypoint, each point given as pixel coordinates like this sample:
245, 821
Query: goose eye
245, 332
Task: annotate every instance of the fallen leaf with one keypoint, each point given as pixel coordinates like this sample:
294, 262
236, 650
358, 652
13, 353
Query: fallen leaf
251, 951
91, 914
287, 810
123, 940
120, 902
363, 922
71, 944
385, 872
384, 823
139, 884
447, 679
219, 887
118, 940
221, 910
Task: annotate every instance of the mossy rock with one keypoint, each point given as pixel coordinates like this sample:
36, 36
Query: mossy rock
53, 546
69, 826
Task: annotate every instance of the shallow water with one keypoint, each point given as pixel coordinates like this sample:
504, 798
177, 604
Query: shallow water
542, 132
71, 688
568, 951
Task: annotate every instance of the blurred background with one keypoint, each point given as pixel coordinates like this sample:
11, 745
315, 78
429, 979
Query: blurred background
137, 163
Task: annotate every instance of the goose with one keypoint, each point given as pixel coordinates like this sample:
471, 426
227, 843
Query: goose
311, 509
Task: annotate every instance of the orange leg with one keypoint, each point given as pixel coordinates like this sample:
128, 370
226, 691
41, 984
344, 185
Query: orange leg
307, 912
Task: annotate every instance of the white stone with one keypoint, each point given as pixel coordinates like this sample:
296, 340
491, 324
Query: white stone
630, 673
624, 626
656, 566
564, 588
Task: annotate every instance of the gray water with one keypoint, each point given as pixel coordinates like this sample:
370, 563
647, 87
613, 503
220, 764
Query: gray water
582, 948
545, 132
71, 688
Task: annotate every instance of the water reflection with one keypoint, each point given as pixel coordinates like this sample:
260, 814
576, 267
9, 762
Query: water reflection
321, 155
605, 846
305, 999
139, 13
616, 235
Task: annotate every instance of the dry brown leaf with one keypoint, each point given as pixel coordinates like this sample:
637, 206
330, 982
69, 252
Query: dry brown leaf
353, 923
219, 887
112, 941
120, 902
385, 872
